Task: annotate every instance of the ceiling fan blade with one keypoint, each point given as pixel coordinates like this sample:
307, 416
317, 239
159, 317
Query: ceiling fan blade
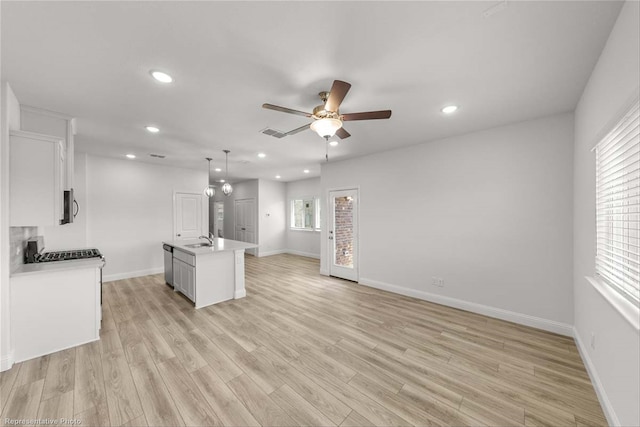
369, 115
285, 110
336, 95
297, 130
342, 133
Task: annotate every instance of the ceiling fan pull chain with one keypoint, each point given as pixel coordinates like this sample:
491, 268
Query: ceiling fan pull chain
326, 156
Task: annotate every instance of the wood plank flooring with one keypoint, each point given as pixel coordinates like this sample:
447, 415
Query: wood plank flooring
302, 349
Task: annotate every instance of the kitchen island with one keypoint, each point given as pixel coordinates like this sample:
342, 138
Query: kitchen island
209, 273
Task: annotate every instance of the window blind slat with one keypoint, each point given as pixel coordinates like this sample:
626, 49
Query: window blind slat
634, 261
605, 245
610, 141
628, 134
618, 172
621, 267
630, 153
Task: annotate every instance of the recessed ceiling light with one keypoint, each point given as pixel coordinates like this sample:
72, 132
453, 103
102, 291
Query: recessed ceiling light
306, 171
222, 180
161, 77
262, 155
333, 143
449, 109
278, 176
152, 129
131, 156
218, 170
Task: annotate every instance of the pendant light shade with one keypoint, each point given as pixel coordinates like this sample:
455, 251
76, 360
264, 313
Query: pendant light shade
210, 190
227, 189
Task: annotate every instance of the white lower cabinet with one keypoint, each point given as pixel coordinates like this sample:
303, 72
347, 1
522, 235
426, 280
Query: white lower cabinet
184, 274
52, 311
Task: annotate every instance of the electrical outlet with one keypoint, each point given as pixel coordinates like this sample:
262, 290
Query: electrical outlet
593, 340
434, 281
441, 282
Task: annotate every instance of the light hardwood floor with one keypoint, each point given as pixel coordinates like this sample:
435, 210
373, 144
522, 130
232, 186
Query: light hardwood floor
302, 349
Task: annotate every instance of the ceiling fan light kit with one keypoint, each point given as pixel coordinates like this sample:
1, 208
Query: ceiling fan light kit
326, 127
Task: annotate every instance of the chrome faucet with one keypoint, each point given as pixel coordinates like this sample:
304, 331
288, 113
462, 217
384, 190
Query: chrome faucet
209, 239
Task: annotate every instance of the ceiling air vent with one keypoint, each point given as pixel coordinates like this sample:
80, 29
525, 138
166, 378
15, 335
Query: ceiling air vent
158, 156
273, 132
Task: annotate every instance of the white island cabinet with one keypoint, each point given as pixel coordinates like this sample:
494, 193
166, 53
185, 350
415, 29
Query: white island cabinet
209, 274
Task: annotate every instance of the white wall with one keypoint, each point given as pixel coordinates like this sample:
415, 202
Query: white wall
10, 120
302, 242
615, 360
129, 208
490, 212
271, 217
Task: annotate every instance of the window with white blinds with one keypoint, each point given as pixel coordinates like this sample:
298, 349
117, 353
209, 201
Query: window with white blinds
618, 207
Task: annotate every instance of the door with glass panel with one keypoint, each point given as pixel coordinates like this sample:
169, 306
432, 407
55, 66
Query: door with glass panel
343, 234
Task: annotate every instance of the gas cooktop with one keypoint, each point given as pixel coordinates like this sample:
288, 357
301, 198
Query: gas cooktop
68, 255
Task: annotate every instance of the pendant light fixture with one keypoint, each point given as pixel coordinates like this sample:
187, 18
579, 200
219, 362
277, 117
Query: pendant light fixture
227, 189
210, 191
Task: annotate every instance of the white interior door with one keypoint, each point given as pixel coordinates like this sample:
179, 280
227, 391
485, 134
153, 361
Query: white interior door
188, 213
343, 234
245, 222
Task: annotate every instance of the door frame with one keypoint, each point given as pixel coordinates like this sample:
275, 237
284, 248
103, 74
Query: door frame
204, 224
329, 218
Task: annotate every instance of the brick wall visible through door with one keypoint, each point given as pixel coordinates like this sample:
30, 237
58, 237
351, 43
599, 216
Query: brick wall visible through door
344, 231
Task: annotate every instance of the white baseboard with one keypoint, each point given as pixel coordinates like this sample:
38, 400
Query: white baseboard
498, 313
607, 408
130, 274
6, 362
288, 251
58, 349
326, 273
240, 294
300, 253
269, 253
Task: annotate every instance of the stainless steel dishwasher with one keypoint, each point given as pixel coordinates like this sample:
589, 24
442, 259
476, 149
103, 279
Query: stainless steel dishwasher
168, 264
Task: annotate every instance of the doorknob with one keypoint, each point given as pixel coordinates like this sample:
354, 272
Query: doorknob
178, 235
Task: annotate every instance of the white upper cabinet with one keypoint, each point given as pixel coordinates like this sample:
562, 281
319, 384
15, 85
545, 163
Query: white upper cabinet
37, 173
46, 122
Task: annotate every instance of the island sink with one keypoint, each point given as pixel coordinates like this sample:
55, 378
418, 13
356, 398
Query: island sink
199, 245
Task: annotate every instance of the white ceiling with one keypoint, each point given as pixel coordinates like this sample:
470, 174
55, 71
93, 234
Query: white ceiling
92, 59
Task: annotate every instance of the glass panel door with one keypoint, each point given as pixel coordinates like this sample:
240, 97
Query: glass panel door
343, 234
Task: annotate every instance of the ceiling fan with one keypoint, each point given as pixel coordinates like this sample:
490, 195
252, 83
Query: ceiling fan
327, 120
